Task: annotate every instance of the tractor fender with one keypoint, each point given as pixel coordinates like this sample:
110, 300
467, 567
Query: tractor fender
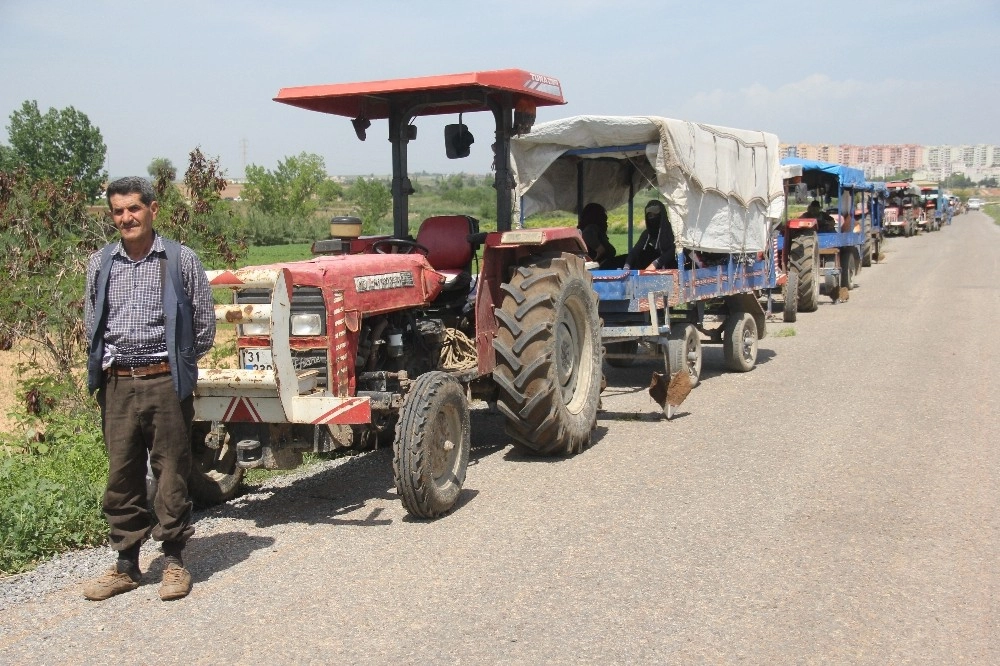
803, 223
503, 251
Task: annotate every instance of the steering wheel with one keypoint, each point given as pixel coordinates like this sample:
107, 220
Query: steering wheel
399, 246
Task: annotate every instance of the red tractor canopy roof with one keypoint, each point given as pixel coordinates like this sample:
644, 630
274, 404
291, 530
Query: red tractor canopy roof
442, 94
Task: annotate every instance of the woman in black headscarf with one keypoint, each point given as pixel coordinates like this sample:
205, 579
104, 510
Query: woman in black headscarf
655, 248
593, 227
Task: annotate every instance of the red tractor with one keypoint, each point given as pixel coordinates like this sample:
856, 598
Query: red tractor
385, 339
903, 210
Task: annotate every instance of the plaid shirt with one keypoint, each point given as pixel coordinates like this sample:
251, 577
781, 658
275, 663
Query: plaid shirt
134, 332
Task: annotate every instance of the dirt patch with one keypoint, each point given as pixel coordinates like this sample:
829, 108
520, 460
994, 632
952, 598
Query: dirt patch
8, 386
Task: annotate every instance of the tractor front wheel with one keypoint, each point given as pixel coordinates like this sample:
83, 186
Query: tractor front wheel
431, 451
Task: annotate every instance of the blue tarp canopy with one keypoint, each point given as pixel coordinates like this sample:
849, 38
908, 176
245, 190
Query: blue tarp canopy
816, 173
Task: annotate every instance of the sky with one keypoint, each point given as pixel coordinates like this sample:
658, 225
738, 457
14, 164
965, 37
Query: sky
162, 78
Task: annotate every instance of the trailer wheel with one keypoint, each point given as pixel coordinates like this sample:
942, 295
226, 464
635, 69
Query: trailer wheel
877, 248
630, 347
684, 352
848, 267
215, 477
431, 451
739, 341
791, 292
804, 259
548, 350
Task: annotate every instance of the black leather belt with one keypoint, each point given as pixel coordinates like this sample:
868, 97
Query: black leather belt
152, 370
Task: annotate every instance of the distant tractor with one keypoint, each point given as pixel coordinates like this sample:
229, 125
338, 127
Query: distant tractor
828, 247
903, 209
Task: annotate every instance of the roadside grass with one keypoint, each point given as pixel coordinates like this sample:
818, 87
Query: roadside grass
52, 483
993, 210
52, 492
786, 332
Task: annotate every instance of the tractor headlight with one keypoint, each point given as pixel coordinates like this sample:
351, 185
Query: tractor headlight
306, 324
256, 328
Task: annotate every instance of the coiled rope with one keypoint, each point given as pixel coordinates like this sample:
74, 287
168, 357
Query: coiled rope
458, 351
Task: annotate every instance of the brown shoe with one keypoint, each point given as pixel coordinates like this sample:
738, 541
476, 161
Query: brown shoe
108, 585
176, 582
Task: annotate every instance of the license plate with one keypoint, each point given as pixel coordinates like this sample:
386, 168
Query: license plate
256, 359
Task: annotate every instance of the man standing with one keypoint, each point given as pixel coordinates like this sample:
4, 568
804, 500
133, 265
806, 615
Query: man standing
149, 318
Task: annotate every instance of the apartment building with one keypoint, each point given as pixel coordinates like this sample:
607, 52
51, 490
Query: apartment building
879, 161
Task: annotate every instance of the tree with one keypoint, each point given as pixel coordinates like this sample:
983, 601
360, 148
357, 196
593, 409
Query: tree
957, 180
46, 236
55, 146
204, 221
373, 201
162, 171
295, 190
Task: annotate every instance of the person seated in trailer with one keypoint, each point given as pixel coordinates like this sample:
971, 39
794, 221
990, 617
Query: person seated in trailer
824, 220
593, 226
655, 248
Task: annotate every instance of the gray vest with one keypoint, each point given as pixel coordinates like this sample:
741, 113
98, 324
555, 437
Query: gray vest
178, 313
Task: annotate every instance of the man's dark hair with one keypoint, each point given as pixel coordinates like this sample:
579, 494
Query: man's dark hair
133, 185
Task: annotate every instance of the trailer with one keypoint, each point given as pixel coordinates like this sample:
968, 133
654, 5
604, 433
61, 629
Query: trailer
722, 190
828, 242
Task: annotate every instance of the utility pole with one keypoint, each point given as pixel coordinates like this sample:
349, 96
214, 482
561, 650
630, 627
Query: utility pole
243, 152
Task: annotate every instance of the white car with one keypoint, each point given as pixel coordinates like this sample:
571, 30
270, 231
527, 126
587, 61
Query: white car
975, 204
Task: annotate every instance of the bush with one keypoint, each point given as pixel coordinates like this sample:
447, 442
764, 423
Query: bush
271, 229
52, 492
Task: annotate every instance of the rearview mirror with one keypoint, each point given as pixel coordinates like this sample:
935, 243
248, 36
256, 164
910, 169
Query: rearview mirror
457, 139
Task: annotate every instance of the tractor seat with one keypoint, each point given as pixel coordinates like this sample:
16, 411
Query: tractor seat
450, 252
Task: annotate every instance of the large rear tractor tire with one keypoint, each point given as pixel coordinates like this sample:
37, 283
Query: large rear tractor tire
684, 352
790, 310
431, 451
548, 350
215, 477
739, 341
804, 259
867, 251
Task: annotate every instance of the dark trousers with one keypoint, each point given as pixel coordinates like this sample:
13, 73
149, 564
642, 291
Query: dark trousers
142, 417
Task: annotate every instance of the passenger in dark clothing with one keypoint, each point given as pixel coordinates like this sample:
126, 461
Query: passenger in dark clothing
593, 226
824, 220
655, 248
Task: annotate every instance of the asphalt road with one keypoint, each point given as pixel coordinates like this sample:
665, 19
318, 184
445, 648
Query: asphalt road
838, 504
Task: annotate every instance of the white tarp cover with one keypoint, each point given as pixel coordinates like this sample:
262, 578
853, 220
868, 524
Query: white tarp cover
722, 186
